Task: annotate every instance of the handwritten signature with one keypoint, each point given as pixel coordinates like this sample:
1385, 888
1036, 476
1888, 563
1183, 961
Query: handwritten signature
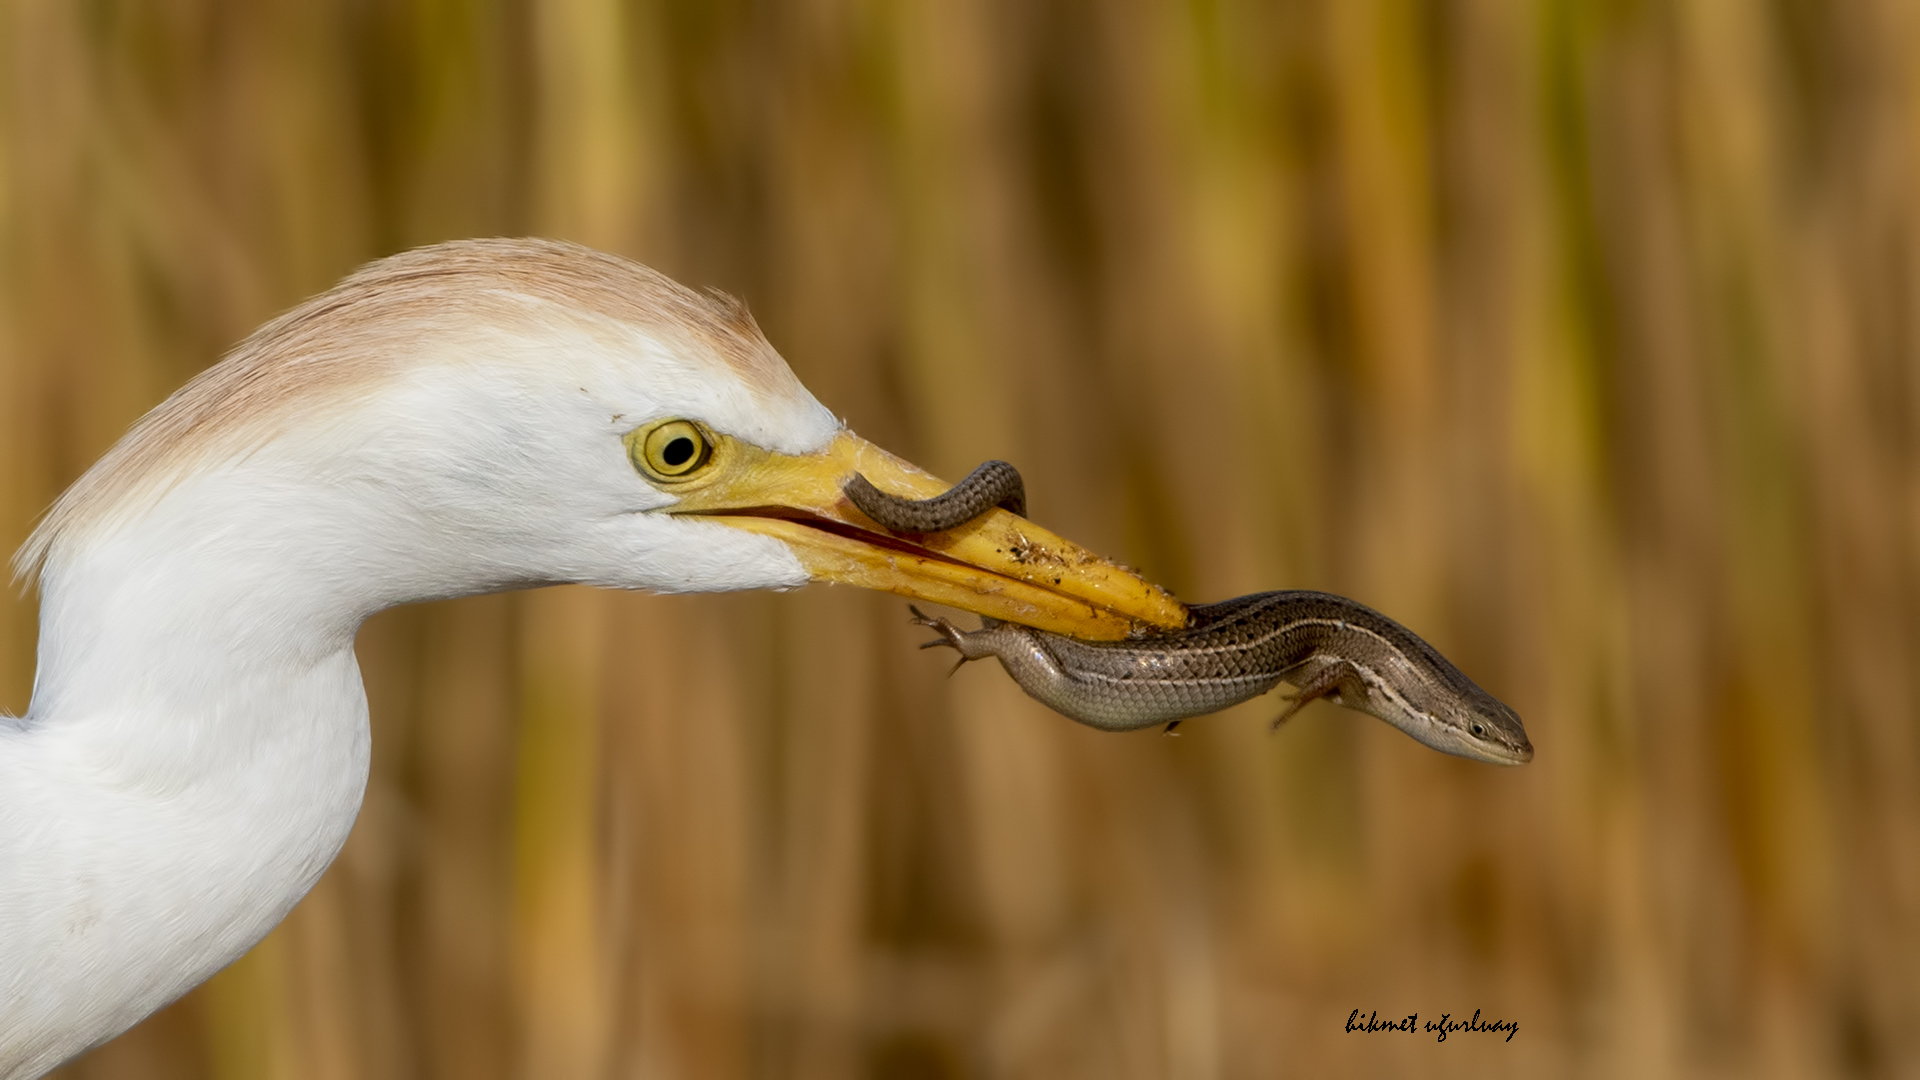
1446, 1025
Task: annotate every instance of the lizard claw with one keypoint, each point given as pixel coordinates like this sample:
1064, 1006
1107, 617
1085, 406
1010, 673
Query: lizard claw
1296, 702
949, 635
1331, 681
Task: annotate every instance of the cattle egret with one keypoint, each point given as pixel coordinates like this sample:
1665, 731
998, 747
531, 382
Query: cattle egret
467, 418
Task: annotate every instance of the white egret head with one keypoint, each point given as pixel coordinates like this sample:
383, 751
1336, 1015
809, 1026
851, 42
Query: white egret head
472, 417
477, 416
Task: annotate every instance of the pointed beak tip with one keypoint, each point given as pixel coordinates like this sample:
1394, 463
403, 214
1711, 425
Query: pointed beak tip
997, 565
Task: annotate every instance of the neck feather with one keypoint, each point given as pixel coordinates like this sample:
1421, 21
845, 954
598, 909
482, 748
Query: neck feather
194, 756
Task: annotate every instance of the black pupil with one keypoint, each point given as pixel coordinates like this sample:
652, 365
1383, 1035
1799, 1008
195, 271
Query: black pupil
1476, 729
679, 451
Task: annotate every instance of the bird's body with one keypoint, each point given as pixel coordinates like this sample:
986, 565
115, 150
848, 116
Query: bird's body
453, 421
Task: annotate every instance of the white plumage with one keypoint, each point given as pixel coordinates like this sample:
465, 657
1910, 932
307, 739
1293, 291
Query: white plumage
448, 422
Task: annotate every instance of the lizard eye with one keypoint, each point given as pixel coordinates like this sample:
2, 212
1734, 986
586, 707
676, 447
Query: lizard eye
1477, 729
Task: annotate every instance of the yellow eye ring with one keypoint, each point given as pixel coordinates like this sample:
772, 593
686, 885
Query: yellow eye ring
673, 450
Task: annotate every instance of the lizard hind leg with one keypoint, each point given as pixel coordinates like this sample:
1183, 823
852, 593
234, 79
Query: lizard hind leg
950, 635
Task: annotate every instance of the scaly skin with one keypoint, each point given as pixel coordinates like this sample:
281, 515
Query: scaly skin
1325, 645
994, 483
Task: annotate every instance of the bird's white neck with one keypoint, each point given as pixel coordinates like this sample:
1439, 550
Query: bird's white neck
194, 756
197, 745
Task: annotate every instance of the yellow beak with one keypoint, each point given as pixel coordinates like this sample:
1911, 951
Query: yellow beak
999, 565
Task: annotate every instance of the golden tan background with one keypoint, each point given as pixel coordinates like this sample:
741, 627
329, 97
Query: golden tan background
1584, 337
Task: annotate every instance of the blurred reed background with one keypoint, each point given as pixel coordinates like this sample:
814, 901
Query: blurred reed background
1580, 336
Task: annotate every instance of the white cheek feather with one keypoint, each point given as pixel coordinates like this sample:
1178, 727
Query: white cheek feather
445, 422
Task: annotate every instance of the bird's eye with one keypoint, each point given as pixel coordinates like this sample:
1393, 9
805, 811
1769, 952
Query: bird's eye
672, 450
